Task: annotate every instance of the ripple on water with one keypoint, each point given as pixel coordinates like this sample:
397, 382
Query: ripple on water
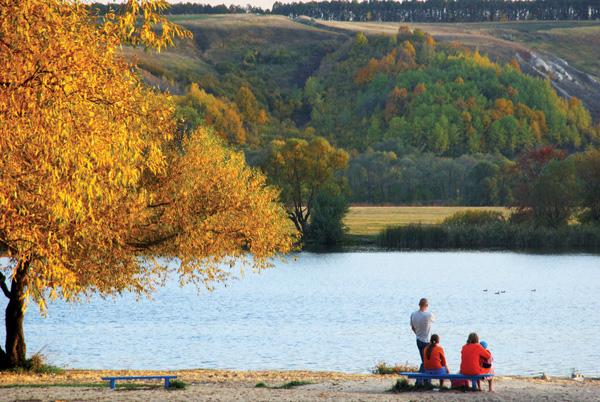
344, 311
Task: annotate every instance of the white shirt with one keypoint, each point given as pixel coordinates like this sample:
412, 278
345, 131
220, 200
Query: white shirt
421, 322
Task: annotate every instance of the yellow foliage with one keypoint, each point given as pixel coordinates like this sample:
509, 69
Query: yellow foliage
409, 48
222, 115
141, 24
475, 58
393, 62
89, 178
419, 89
395, 102
502, 107
247, 103
263, 117
429, 40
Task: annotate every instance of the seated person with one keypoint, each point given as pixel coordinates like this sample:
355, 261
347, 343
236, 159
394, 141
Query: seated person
471, 356
486, 365
434, 360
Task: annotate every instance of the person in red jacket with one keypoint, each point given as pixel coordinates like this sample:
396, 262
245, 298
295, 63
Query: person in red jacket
487, 365
434, 359
471, 356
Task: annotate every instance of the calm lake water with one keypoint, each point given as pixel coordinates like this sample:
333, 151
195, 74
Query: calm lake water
344, 311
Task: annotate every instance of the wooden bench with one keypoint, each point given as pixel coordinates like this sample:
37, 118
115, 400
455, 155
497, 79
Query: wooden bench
472, 378
113, 380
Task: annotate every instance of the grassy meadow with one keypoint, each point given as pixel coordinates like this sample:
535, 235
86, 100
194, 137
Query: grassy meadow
371, 220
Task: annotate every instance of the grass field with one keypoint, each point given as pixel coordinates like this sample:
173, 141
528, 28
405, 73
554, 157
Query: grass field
365, 221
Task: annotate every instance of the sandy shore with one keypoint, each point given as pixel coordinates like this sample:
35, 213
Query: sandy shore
220, 385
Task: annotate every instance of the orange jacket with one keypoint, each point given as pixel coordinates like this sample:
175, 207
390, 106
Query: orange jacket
471, 355
437, 360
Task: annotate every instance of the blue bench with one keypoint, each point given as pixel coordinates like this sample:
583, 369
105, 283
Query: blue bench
425, 376
113, 380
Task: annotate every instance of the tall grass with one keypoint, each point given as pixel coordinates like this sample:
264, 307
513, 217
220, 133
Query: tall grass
495, 236
383, 368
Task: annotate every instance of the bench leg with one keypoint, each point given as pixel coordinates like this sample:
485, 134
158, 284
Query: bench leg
474, 385
167, 383
113, 384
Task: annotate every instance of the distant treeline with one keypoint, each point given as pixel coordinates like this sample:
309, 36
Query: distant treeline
189, 8
444, 10
408, 11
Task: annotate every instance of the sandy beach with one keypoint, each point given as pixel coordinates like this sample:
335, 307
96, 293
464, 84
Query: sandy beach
220, 385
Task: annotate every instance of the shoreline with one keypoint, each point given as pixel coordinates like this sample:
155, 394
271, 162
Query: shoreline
231, 385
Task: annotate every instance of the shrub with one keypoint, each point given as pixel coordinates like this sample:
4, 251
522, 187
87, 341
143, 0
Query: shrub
37, 364
501, 235
293, 384
521, 217
287, 385
177, 384
401, 385
383, 368
473, 217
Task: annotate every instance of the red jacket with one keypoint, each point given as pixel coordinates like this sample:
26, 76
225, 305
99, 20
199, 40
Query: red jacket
437, 360
471, 355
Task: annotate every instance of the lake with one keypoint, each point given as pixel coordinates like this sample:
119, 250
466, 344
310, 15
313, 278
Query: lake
346, 312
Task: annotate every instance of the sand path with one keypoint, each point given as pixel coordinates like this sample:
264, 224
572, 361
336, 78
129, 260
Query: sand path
218, 385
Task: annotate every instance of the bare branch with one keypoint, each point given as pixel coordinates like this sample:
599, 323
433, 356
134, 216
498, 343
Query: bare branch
3, 285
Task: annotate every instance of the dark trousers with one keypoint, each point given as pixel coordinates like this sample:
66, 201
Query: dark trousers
421, 346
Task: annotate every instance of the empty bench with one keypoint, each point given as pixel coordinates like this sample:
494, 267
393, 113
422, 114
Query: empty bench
461, 377
113, 380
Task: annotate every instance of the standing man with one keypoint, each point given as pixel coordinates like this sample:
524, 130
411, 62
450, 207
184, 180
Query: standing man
420, 322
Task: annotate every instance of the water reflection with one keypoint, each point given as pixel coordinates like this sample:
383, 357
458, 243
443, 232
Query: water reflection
344, 311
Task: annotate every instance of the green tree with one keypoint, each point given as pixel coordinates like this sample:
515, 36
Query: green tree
554, 194
482, 186
587, 167
360, 39
326, 225
546, 186
300, 168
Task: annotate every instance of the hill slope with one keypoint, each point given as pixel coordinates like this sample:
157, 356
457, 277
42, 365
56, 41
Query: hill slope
423, 124
272, 54
567, 52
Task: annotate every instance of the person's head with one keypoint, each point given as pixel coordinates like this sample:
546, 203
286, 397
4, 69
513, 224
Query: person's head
423, 304
484, 344
473, 338
434, 340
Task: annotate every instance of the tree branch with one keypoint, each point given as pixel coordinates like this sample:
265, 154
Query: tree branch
146, 244
3, 285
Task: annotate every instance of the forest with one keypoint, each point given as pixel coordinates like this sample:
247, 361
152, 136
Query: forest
443, 10
406, 11
422, 122
334, 118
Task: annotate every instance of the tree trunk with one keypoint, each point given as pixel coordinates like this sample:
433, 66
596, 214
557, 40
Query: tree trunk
16, 350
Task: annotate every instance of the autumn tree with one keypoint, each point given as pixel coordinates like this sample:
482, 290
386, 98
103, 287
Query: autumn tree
247, 103
199, 107
90, 177
300, 168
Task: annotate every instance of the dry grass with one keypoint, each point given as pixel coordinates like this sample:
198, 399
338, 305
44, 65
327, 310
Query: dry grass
371, 220
87, 377
382, 368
